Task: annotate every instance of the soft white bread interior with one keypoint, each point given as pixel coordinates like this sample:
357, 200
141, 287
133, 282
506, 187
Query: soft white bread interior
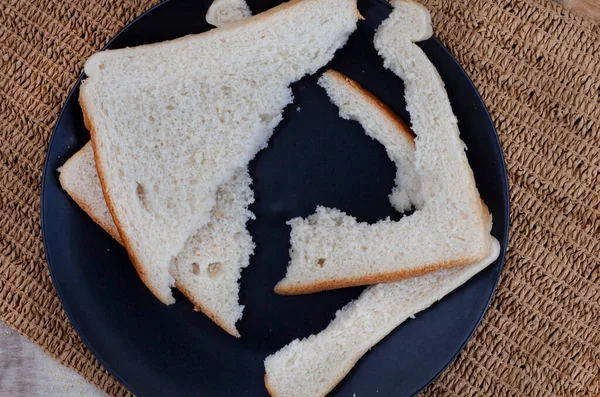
170, 122
208, 268
313, 366
225, 12
332, 250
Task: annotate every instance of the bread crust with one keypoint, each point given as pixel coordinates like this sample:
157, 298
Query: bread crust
371, 278
269, 388
402, 126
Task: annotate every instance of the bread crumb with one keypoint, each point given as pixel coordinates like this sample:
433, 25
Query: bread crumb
298, 109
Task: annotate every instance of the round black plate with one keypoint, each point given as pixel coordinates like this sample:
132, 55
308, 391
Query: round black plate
314, 158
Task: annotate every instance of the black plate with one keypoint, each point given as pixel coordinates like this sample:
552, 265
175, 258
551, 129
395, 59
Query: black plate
314, 158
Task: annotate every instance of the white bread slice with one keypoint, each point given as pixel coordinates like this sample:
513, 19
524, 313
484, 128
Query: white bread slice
383, 125
313, 366
225, 12
332, 250
172, 121
209, 267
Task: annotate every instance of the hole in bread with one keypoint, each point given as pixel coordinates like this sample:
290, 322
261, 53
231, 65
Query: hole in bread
141, 193
195, 268
214, 269
265, 118
321, 262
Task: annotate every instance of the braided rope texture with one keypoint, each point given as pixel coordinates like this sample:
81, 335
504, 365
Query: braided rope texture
537, 67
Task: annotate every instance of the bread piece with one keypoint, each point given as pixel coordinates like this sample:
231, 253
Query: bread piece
172, 121
383, 125
332, 250
225, 12
208, 269
313, 366
79, 178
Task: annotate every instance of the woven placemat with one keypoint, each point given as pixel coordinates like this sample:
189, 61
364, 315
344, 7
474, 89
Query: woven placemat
537, 67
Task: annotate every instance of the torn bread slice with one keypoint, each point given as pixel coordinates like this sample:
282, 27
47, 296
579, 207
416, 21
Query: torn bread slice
172, 121
209, 267
79, 178
225, 12
313, 366
332, 250
383, 125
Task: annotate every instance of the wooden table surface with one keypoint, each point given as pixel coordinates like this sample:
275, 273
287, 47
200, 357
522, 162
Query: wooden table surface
26, 370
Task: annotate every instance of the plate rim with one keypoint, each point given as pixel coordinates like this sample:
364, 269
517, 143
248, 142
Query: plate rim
46, 172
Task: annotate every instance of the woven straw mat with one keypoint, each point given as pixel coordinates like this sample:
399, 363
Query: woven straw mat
537, 67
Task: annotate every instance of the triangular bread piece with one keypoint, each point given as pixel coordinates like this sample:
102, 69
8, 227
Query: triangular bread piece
172, 121
332, 250
313, 366
209, 267
79, 178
